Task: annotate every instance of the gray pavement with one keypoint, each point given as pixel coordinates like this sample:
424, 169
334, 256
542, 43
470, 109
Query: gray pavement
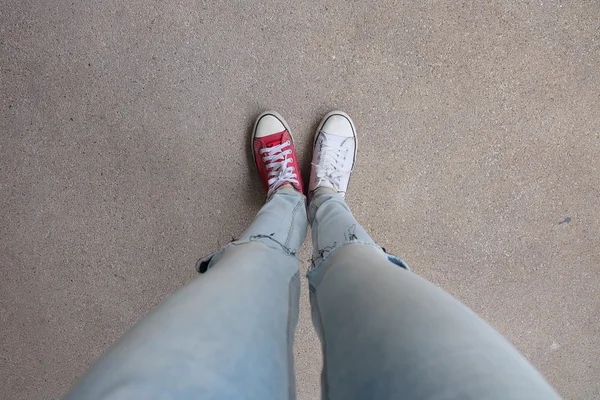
124, 158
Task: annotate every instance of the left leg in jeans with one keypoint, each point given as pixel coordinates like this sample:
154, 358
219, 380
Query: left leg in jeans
228, 334
387, 333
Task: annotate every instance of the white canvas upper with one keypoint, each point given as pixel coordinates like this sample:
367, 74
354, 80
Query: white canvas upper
334, 153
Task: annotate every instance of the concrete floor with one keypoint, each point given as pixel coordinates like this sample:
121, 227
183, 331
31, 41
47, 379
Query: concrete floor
124, 158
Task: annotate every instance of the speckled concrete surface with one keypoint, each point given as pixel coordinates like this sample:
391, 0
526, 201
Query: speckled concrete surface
123, 157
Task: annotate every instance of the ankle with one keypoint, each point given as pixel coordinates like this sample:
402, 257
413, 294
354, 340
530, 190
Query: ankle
321, 194
323, 190
287, 187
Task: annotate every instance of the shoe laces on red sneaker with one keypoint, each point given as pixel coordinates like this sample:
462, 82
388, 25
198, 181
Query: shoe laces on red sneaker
278, 159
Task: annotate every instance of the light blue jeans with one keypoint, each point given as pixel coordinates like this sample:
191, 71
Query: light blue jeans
385, 332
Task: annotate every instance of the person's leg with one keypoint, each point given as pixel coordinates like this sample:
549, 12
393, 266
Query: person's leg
385, 332
228, 334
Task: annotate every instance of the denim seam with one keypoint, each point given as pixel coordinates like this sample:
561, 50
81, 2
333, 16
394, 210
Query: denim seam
314, 231
290, 229
290, 339
325, 378
312, 209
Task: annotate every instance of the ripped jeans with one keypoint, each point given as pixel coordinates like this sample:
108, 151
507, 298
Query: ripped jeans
385, 332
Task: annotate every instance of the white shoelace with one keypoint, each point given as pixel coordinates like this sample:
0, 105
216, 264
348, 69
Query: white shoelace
330, 169
279, 170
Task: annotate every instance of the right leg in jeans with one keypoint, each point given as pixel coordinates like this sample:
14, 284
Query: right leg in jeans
226, 335
229, 333
386, 333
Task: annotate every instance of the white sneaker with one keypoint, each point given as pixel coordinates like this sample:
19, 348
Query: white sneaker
334, 153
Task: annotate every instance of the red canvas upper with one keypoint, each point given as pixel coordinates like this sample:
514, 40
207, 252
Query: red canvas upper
274, 140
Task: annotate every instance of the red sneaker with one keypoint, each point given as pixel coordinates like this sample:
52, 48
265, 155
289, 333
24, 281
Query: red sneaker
274, 153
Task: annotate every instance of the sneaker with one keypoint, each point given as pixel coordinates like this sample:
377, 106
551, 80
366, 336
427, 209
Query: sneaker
274, 153
334, 153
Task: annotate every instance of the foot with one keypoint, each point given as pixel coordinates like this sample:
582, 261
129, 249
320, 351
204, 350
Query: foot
274, 153
334, 153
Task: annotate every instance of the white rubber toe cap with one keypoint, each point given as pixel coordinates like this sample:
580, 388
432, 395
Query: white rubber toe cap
268, 125
338, 125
